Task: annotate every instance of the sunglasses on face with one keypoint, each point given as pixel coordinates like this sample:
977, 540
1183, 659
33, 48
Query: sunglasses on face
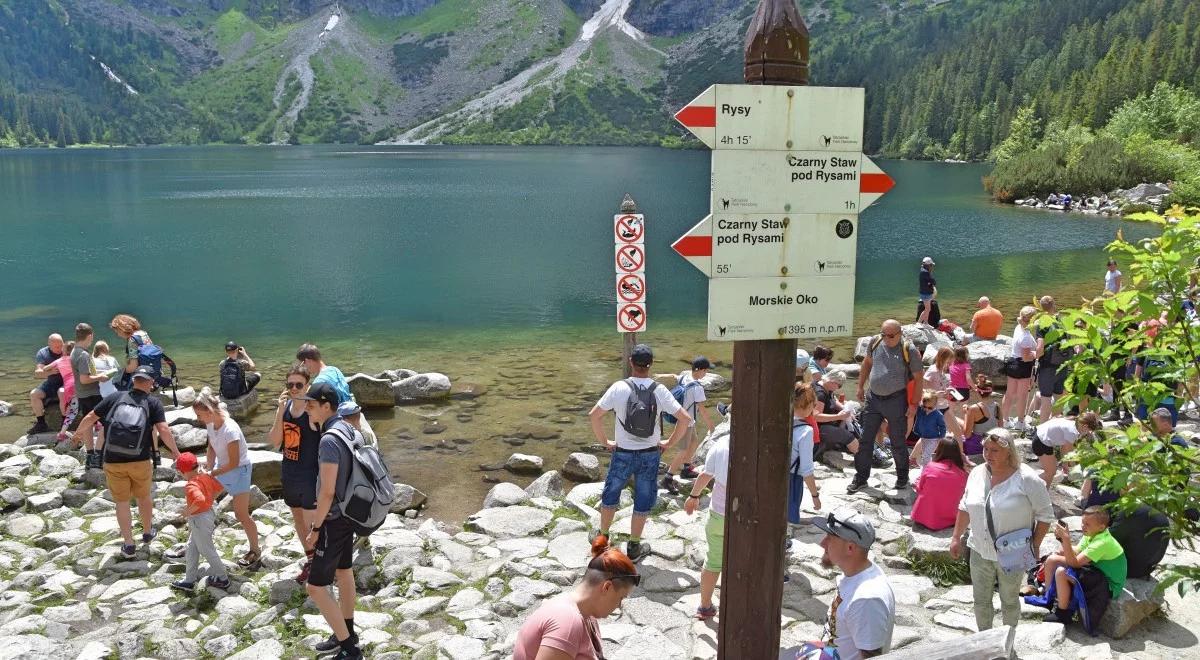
295, 386
891, 336
635, 580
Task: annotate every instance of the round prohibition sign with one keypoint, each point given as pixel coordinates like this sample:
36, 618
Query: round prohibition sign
631, 288
630, 258
630, 229
632, 317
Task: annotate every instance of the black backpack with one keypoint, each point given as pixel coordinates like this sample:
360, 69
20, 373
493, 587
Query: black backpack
125, 428
641, 410
233, 379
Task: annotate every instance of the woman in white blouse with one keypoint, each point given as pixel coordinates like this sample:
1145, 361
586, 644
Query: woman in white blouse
1019, 500
1016, 390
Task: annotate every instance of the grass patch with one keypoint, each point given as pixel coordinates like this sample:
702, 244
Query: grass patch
444, 16
944, 571
231, 26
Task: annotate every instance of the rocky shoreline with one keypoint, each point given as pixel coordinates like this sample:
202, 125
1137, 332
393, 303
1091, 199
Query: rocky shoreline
1142, 197
430, 590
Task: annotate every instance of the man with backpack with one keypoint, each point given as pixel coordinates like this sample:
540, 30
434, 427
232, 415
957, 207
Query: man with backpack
1051, 380
130, 419
891, 362
354, 495
689, 393
637, 402
238, 376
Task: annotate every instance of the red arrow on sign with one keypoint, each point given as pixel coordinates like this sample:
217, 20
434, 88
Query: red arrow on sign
873, 183
700, 117
697, 246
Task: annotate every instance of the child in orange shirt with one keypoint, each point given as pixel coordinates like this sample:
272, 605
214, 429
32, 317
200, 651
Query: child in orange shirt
201, 491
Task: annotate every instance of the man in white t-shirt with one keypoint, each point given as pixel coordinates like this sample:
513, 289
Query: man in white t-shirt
693, 402
863, 613
637, 402
716, 470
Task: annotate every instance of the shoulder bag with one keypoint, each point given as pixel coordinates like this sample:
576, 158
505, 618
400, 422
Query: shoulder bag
1014, 550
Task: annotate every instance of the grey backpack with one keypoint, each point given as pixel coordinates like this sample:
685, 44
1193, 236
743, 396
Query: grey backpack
641, 410
365, 495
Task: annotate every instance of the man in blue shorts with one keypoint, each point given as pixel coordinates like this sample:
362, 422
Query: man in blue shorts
47, 392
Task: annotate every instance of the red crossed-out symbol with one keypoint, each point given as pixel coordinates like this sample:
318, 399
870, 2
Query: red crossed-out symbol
630, 258
631, 288
632, 317
630, 229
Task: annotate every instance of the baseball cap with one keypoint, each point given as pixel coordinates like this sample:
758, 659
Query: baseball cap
701, 362
321, 393
851, 526
642, 356
186, 462
349, 408
144, 371
927, 261
231, 345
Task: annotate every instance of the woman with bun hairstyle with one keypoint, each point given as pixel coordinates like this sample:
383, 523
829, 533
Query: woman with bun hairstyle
228, 462
565, 627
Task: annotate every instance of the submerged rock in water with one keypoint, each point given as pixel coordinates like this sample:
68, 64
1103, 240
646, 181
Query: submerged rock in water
5, 409
524, 464
422, 387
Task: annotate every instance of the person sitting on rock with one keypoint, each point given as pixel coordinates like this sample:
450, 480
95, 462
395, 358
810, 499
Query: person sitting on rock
228, 461
200, 492
299, 441
47, 392
836, 424
1164, 428
638, 447
237, 375
1098, 572
940, 487
985, 323
693, 402
978, 419
1058, 436
565, 627
818, 363
310, 355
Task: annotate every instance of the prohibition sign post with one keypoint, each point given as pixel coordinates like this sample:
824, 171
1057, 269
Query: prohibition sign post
629, 233
779, 248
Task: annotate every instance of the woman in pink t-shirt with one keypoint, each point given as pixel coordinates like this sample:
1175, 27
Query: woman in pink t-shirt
565, 628
66, 394
940, 487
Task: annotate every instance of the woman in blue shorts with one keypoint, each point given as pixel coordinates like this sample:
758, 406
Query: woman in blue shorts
229, 463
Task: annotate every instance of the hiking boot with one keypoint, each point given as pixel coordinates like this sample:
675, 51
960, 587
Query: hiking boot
148, 535
332, 644
219, 583
38, 427
129, 551
637, 550
688, 472
668, 482
855, 486
184, 585
353, 653
302, 578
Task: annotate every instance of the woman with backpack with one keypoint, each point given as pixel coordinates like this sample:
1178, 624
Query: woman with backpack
130, 331
229, 463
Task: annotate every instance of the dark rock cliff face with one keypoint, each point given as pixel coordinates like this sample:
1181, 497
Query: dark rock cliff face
668, 18
288, 9
584, 8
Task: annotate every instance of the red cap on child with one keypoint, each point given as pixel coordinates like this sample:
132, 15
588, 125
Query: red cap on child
186, 462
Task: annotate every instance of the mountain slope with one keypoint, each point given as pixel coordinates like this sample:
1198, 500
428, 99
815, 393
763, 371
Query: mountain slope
944, 77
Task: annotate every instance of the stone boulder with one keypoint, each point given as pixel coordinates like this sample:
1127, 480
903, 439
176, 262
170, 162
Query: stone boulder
505, 494
987, 358
922, 336
11, 499
407, 498
860, 348
242, 407
394, 375
548, 485
5, 409
715, 382
371, 392
267, 470
582, 467
189, 438
851, 370
422, 387
186, 396
1137, 601
58, 465
1142, 193
524, 464
510, 522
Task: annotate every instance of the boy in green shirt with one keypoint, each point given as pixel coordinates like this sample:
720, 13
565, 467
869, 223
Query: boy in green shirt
1098, 549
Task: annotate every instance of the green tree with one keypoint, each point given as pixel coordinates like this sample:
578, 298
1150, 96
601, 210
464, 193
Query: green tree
1023, 133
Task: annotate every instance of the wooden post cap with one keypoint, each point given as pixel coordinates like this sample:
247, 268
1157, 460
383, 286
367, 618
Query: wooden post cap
777, 45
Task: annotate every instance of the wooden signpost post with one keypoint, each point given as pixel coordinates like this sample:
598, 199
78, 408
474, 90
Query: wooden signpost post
779, 248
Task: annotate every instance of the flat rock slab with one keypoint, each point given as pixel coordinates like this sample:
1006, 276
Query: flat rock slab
1136, 602
509, 522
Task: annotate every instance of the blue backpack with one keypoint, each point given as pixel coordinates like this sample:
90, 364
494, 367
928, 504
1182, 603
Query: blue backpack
680, 393
152, 355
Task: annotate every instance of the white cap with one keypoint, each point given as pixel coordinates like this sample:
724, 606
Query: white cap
927, 261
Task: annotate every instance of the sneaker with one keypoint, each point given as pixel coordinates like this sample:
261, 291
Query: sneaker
184, 585
129, 551
706, 613
38, 427
1058, 616
855, 486
250, 559
332, 644
148, 535
668, 482
723, 409
354, 653
92, 460
302, 578
637, 550
688, 472
219, 583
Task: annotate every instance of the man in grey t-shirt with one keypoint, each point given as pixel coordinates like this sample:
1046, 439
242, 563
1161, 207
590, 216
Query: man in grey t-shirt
882, 387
